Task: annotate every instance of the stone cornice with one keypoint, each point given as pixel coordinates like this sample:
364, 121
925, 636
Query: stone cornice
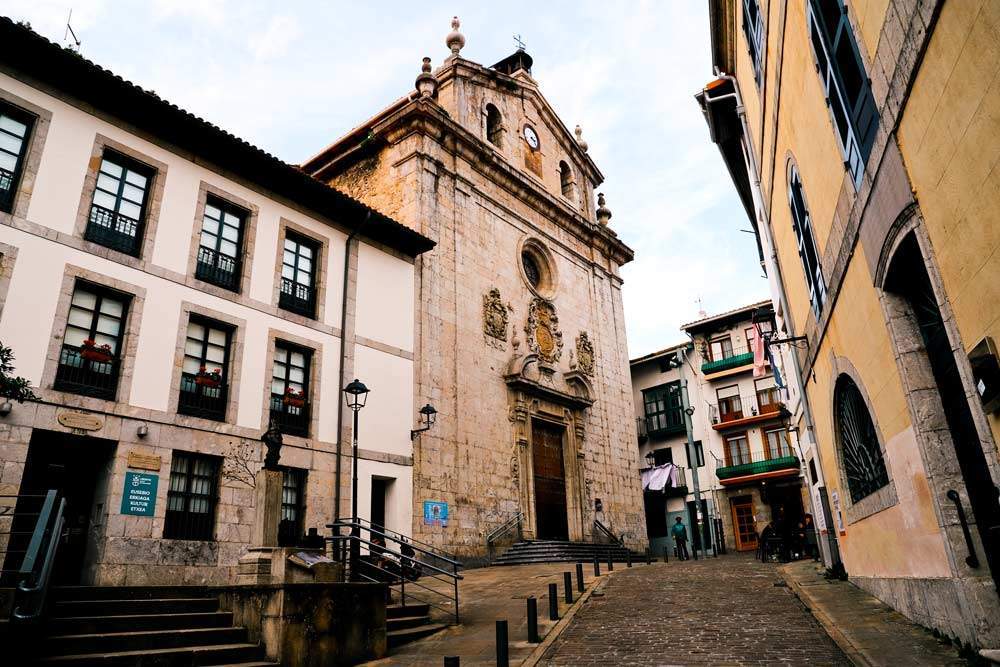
426, 117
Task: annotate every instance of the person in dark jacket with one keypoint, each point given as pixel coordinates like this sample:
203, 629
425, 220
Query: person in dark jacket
680, 533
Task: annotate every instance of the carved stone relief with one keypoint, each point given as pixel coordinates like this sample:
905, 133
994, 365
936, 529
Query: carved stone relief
495, 318
584, 353
542, 331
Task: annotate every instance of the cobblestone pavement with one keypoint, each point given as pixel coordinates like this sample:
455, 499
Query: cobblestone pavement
730, 610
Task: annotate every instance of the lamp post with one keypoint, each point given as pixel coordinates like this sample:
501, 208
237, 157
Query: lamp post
355, 393
650, 458
427, 417
678, 363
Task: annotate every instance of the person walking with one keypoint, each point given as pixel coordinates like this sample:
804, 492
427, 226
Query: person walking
811, 541
680, 533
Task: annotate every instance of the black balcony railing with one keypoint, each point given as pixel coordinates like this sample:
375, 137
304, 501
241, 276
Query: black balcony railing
113, 230
95, 376
734, 357
203, 398
292, 417
766, 403
218, 269
6, 189
297, 298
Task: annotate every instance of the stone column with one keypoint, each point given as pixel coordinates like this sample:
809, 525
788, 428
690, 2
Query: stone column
265, 525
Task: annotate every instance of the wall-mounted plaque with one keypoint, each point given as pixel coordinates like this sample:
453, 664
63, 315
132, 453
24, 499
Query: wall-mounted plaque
144, 461
139, 494
81, 420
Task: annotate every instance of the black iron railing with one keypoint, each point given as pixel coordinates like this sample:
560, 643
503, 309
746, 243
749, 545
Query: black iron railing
203, 398
113, 230
218, 269
604, 534
297, 298
291, 414
29, 546
507, 533
6, 189
95, 376
419, 574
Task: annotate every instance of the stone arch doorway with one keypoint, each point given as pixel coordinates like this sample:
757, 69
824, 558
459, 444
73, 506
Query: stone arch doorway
940, 402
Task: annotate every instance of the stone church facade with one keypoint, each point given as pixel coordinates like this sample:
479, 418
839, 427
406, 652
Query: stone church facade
519, 336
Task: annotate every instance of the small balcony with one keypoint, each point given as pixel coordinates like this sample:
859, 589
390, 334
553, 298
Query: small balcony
742, 466
666, 424
6, 189
218, 269
297, 298
89, 372
113, 230
292, 414
203, 397
681, 489
738, 411
736, 357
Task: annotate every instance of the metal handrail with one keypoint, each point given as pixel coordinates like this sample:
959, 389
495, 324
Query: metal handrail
600, 527
430, 549
36, 568
504, 529
342, 544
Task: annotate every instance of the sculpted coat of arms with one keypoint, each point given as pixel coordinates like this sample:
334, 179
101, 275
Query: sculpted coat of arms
584, 353
495, 317
542, 330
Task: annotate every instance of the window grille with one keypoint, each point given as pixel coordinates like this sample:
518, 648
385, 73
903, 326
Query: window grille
192, 497
861, 454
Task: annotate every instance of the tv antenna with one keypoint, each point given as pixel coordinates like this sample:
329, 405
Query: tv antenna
518, 42
73, 44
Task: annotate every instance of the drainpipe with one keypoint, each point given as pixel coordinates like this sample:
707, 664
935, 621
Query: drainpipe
343, 354
772, 265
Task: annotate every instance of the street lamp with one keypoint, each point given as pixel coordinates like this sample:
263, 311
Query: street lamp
427, 416
650, 458
355, 393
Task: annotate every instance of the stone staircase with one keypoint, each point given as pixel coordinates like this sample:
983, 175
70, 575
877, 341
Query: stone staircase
405, 624
555, 551
143, 626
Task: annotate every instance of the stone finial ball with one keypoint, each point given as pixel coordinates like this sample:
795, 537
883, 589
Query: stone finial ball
455, 40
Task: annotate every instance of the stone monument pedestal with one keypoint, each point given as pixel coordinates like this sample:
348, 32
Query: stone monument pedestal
267, 563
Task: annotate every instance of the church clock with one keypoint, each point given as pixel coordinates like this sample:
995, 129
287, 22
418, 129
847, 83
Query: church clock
531, 137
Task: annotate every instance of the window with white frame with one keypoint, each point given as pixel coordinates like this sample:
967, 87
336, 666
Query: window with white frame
753, 30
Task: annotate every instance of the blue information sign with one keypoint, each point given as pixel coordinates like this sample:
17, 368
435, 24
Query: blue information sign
139, 494
435, 513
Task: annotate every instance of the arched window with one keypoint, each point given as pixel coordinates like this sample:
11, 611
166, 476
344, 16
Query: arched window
802, 226
860, 451
566, 179
494, 128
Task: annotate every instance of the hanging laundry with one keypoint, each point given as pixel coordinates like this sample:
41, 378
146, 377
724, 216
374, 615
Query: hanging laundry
659, 477
760, 352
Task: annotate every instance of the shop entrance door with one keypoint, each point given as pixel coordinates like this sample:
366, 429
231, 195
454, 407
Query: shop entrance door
745, 530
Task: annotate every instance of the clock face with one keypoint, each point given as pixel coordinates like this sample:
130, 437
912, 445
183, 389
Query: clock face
531, 137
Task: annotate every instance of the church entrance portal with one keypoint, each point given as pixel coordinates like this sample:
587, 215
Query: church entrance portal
550, 480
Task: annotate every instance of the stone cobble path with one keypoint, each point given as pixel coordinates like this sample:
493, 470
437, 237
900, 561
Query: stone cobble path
730, 610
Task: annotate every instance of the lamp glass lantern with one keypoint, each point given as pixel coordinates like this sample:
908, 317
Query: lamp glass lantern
356, 393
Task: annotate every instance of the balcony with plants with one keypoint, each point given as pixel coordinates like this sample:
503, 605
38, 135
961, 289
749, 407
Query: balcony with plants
88, 369
738, 411
204, 394
291, 411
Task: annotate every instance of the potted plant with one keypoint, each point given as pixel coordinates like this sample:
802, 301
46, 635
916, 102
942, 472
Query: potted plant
295, 399
206, 379
92, 352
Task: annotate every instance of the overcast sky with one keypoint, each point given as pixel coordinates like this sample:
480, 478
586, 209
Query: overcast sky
293, 76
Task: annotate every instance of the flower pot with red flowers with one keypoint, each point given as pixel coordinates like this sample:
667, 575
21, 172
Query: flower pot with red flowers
295, 399
92, 352
208, 379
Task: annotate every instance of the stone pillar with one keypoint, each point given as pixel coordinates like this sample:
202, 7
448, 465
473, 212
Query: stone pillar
265, 525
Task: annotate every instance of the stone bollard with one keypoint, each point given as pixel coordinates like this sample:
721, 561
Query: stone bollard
503, 659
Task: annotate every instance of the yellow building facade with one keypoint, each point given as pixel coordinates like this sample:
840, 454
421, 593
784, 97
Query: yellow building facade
874, 186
